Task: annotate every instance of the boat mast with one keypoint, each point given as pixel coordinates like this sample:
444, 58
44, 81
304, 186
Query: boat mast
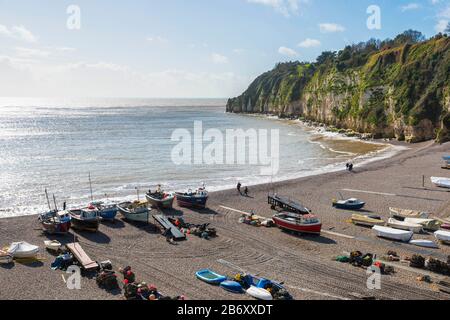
54, 201
90, 186
137, 191
48, 200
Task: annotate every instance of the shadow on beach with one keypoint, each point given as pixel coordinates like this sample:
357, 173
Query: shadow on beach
97, 237
116, 224
147, 227
205, 211
315, 238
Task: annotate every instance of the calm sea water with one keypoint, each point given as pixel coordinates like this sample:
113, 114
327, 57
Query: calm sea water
126, 144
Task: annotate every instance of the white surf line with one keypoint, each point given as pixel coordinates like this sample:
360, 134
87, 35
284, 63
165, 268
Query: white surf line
323, 231
372, 192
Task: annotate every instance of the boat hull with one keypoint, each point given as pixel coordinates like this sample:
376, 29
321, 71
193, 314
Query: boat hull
166, 203
135, 217
366, 221
295, 227
108, 214
416, 228
210, 277
56, 228
191, 201
393, 234
85, 225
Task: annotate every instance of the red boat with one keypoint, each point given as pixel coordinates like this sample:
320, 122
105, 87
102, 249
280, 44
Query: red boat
299, 223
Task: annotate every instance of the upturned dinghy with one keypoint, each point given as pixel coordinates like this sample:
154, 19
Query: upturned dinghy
441, 182
259, 293
405, 213
349, 204
403, 225
23, 250
53, 245
427, 224
137, 211
210, 277
366, 221
393, 234
232, 286
443, 236
424, 243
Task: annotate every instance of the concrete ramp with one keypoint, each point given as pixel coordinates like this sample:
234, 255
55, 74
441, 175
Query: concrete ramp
166, 224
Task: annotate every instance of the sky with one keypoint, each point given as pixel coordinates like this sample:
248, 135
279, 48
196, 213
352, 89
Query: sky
183, 48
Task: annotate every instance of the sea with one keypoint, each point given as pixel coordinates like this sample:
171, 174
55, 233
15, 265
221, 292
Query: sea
125, 146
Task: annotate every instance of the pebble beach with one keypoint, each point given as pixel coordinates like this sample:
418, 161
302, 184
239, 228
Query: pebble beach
304, 263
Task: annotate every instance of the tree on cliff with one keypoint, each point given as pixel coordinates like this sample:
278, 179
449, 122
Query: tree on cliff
448, 28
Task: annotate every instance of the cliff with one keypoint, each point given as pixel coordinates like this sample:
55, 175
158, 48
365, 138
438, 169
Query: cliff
393, 89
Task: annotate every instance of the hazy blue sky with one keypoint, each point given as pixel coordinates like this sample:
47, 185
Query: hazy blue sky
182, 48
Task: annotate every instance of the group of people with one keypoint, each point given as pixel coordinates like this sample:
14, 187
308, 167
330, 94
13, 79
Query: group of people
239, 189
349, 166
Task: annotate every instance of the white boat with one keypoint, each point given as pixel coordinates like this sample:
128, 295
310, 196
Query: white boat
443, 236
424, 243
53, 245
403, 225
441, 182
405, 213
23, 250
5, 257
366, 221
393, 234
259, 293
427, 224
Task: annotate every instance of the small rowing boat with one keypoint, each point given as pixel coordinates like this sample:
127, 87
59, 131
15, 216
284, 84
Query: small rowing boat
349, 204
443, 236
53, 245
137, 211
23, 250
366, 221
393, 234
403, 225
427, 224
232, 286
307, 223
259, 293
424, 243
441, 182
210, 277
405, 213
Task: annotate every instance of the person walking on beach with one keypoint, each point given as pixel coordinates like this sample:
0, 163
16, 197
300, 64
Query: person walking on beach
350, 167
246, 191
239, 185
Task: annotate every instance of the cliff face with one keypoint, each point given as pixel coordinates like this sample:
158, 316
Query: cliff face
400, 92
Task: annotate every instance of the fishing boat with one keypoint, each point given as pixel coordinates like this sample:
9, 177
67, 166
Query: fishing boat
424, 243
23, 250
160, 199
366, 221
106, 210
196, 199
137, 211
441, 182
53, 245
393, 234
401, 214
403, 225
443, 236
85, 219
232, 286
427, 224
308, 223
55, 222
210, 277
349, 204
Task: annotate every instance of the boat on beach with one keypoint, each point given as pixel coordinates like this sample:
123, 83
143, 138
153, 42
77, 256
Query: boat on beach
406, 213
55, 222
53, 245
195, 199
137, 211
285, 204
85, 219
308, 223
441, 182
443, 236
366, 221
23, 250
424, 243
106, 210
210, 276
349, 204
160, 199
393, 234
403, 225
427, 224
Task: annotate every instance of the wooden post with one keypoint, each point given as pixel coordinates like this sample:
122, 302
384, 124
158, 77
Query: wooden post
423, 181
90, 186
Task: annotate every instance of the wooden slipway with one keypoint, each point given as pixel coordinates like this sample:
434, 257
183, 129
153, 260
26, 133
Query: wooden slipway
86, 262
166, 224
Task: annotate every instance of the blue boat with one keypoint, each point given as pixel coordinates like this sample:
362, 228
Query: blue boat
210, 277
277, 290
195, 199
446, 158
349, 204
232, 286
106, 211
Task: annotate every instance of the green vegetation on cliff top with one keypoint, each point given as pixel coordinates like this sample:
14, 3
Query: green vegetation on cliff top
392, 88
